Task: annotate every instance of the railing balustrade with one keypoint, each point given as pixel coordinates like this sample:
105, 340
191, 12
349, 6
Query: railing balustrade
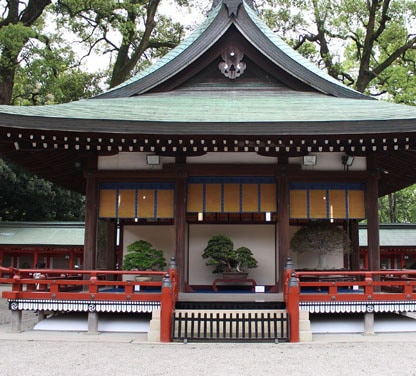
95, 285
342, 288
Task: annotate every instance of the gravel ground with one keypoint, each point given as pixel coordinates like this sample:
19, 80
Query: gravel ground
70, 353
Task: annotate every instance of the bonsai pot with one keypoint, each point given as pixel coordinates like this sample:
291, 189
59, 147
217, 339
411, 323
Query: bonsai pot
234, 275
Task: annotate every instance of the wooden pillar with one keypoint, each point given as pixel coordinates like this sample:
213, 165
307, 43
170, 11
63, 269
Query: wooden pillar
372, 221
180, 226
283, 222
35, 258
106, 244
91, 218
111, 244
355, 246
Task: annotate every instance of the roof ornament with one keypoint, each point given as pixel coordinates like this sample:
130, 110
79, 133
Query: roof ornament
232, 5
232, 66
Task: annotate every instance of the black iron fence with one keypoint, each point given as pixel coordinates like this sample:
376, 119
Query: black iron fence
230, 326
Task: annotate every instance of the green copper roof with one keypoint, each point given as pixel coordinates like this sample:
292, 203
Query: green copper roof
392, 235
41, 233
214, 27
301, 67
174, 53
266, 112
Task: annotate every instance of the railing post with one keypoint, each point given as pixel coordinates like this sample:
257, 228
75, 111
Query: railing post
173, 274
292, 306
17, 285
369, 287
288, 269
93, 288
166, 310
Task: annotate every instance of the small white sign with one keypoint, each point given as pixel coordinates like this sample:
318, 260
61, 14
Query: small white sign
260, 289
136, 287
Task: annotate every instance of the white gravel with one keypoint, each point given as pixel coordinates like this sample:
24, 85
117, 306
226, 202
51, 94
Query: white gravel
74, 353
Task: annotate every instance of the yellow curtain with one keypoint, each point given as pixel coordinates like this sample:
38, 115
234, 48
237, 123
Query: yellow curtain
250, 198
108, 203
231, 198
165, 199
195, 198
268, 198
356, 204
322, 203
213, 198
127, 203
146, 203
317, 203
132, 203
337, 204
298, 203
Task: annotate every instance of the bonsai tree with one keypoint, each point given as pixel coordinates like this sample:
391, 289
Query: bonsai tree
221, 254
323, 238
142, 256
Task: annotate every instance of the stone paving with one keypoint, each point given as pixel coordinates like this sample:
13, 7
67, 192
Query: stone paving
78, 353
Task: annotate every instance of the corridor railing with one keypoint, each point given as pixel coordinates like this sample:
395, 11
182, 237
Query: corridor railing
358, 291
96, 285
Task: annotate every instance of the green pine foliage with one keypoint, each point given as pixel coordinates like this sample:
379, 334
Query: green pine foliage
142, 256
220, 254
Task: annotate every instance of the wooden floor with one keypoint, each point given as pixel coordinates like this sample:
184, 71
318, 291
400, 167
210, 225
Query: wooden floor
229, 297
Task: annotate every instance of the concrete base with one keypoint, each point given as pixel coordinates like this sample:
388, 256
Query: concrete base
41, 316
92, 323
153, 334
16, 321
368, 324
305, 331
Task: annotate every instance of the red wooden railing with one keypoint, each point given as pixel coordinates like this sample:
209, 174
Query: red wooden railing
81, 285
392, 285
345, 286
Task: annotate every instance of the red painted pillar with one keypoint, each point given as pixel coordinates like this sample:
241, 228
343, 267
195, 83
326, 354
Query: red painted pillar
167, 306
292, 306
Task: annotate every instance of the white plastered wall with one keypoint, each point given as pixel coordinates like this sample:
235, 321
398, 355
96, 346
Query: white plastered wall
261, 239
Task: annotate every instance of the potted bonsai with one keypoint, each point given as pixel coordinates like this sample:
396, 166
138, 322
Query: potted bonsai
322, 238
142, 256
221, 254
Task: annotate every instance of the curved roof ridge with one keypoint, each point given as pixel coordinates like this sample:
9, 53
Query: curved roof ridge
298, 65
164, 60
257, 33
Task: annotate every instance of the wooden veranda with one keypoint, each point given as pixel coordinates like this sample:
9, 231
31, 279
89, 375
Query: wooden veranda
95, 292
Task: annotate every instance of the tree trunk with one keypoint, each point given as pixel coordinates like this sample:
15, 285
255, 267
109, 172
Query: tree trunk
9, 56
6, 89
125, 64
322, 257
